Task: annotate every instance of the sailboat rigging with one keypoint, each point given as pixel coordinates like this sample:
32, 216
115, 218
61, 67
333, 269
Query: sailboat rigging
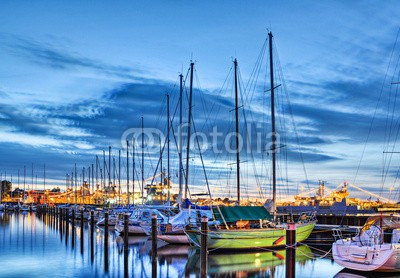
269, 232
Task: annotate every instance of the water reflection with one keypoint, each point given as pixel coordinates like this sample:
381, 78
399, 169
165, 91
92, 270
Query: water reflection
48, 246
262, 263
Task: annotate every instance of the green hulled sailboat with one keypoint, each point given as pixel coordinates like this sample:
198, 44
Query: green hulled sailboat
252, 227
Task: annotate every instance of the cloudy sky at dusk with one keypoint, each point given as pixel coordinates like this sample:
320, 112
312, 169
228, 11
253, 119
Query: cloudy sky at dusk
74, 76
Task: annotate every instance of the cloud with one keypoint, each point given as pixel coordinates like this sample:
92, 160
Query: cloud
58, 58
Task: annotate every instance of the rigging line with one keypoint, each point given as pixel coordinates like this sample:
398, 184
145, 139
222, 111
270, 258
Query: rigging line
201, 93
176, 145
248, 138
254, 167
376, 109
387, 163
396, 126
201, 158
292, 118
390, 160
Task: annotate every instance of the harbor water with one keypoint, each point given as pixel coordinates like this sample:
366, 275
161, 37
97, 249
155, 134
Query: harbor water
36, 245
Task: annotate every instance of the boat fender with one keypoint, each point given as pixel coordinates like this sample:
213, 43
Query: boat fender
279, 240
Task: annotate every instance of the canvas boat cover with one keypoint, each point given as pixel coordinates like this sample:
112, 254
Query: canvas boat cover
236, 213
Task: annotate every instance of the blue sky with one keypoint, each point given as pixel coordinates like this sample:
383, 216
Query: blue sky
75, 75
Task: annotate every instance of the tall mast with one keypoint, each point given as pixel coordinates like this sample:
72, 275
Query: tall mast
44, 182
161, 166
127, 171
142, 159
168, 177
180, 140
271, 68
188, 129
23, 196
83, 186
32, 177
114, 171
109, 165
76, 182
133, 169
89, 182
92, 178
119, 176
237, 134
97, 172
104, 171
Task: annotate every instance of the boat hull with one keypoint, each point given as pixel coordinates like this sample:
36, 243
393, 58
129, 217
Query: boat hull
250, 238
174, 238
133, 229
383, 258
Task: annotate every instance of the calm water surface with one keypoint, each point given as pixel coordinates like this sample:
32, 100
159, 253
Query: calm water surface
33, 246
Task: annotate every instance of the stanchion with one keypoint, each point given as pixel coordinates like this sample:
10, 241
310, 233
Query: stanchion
106, 242
291, 250
203, 247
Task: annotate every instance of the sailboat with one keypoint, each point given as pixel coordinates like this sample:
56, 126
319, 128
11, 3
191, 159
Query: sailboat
268, 232
375, 248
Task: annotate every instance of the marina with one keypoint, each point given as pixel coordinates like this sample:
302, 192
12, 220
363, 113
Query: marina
205, 139
31, 238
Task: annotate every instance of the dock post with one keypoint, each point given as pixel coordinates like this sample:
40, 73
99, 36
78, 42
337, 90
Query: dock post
126, 232
203, 247
290, 250
106, 241
154, 245
92, 235
153, 236
82, 225
66, 226
61, 221
73, 227
56, 219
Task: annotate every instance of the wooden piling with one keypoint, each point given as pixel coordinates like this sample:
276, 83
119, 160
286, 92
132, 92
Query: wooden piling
66, 226
154, 245
153, 236
92, 235
82, 225
126, 232
106, 241
203, 247
60, 216
73, 228
291, 250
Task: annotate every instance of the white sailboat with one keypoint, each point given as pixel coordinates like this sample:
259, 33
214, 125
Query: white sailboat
375, 248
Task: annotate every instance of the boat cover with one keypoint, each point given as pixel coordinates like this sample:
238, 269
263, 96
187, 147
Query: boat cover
236, 213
